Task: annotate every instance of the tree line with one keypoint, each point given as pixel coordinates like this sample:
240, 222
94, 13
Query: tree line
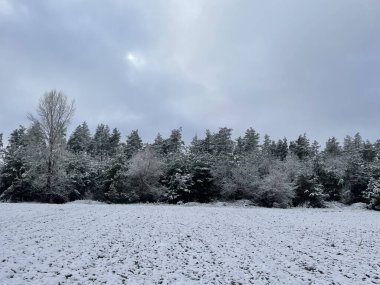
41, 163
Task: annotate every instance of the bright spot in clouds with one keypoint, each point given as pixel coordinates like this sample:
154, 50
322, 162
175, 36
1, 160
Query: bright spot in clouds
5, 7
134, 59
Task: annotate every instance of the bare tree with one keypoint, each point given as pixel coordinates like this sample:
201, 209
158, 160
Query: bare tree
54, 115
146, 168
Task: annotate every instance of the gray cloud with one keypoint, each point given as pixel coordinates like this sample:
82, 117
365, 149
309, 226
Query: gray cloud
282, 67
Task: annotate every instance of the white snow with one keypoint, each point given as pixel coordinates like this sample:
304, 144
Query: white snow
160, 244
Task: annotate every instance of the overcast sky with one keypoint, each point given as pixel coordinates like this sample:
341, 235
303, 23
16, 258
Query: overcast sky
282, 67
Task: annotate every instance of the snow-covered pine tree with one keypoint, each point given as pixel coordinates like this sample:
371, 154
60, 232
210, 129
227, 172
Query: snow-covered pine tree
118, 187
314, 149
101, 142
372, 193
134, 144
282, 149
208, 142
175, 144
80, 140
177, 177
268, 147
223, 144
368, 151
301, 147
24, 170
309, 191
239, 146
202, 188
251, 140
332, 147
15, 166
195, 145
357, 172
159, 145
114, 142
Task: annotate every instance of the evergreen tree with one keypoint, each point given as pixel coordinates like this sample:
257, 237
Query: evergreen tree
101, 142
347, 144
81, 176
195, 145
282, 149
376, 147
117, 185
15, 166
239, 146
174, 143
208, 142
177, 178
368, 152
179, 188
268, 148
223, 144
357, 174
134, 144
159, 145
24, 171
332, 147
114, 142
202, 188
251, 140
309, 190
331, 171
358, 142
372, 194
80, 139
301, 147
314, 149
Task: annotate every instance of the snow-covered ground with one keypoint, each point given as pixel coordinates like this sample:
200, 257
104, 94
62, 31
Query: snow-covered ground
153, 244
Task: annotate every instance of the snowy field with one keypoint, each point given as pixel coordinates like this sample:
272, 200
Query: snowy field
150, 244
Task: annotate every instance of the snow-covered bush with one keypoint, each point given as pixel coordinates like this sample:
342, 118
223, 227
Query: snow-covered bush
179, 187
276, 189
309, 191
203, 188
237, 177
331, 173
373, 193
144, 171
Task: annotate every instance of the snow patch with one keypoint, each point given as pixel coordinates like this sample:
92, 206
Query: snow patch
81, 243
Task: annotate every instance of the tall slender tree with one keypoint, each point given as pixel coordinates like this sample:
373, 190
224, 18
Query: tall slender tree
114, 142
101, 142
134, 144
54, 113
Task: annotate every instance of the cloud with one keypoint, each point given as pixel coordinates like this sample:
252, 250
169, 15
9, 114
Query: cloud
283, 68
6, 7
135, 60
